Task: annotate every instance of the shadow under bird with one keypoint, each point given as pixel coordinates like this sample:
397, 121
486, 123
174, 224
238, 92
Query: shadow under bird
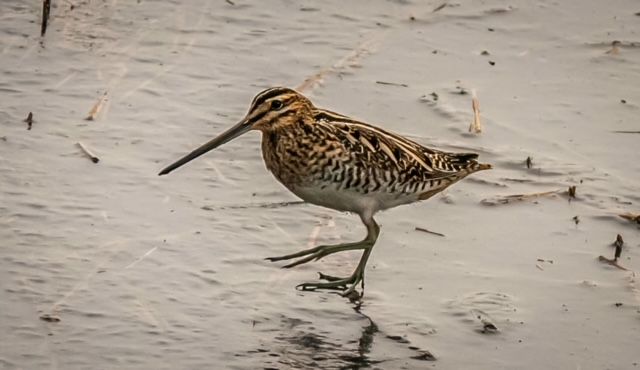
334, 161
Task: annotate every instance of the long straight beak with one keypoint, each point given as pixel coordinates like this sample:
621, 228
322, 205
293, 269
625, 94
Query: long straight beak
232, 133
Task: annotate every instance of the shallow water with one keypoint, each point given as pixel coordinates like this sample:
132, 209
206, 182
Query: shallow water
149, 272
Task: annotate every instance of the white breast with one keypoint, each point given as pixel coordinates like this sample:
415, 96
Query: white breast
349, 200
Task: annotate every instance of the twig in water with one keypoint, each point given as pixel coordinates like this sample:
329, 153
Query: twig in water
428, 231
97, 107
439, 7
391, 83
476, 126
46, 9
29, 120
230, 2
88, 153
627, 132
612, 262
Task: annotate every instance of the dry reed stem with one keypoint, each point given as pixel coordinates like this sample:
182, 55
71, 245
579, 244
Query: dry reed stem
476, 125
93, 113
633, 217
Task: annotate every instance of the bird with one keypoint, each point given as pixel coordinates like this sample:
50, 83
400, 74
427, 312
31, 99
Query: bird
331, 160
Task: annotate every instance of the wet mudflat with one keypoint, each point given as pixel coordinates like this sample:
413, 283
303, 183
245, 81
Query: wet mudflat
103, 264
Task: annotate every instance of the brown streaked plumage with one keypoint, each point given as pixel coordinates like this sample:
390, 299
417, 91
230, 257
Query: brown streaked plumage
334, 161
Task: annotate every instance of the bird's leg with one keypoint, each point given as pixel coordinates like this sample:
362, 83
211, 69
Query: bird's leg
349, 283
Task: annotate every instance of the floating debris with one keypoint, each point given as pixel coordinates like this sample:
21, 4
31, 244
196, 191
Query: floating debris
492, 62
476, 126
391, 83
576, 219
88, 153
615, 48
29, 120
488, 327
49, 318
618, 244
484, 52
96, 108
230, 2
572, 192
428, 231
529, 162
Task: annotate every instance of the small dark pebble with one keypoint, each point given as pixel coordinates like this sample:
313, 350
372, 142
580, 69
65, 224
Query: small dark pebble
492, 62
623, 101
412, 18
490, 29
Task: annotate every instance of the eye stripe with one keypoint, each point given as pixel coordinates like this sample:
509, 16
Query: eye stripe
268, 94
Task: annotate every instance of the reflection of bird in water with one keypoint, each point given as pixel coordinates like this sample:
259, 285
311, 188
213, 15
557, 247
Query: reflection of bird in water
334, 161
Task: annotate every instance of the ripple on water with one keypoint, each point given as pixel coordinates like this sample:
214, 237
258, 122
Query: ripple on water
485, 312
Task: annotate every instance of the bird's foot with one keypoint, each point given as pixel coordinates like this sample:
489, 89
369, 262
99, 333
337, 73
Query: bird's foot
347, 285
316, 253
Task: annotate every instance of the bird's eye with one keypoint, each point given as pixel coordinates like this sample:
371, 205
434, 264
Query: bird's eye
276, 104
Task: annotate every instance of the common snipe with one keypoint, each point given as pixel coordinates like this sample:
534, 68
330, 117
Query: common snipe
334, 161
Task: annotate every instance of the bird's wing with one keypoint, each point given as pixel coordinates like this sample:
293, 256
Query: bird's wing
384, 149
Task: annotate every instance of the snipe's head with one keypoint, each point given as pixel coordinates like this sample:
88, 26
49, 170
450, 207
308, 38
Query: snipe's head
270, 110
